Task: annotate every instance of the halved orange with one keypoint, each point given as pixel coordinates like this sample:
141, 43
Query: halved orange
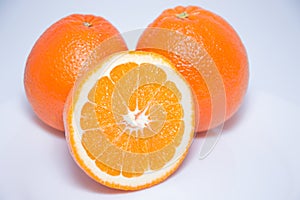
130, 120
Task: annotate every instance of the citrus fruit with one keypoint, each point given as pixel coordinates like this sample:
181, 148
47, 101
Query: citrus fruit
58, 56
218, 46
130, 120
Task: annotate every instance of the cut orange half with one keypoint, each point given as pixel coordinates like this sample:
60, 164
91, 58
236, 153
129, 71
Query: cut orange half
130, 120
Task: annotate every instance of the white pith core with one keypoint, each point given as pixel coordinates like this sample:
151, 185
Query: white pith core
137, 119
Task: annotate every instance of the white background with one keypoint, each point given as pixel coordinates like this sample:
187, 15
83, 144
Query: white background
258, 155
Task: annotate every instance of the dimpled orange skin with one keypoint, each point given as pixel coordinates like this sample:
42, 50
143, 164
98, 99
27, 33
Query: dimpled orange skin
224, 46
56, 59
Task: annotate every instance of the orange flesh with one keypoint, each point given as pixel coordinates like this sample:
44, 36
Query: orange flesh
106, 138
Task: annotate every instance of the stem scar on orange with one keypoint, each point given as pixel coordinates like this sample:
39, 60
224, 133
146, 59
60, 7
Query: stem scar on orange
222, 44
57, 58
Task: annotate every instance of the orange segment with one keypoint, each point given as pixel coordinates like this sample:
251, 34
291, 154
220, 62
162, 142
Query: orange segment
135, 163
104, 116
158, 159
120, 70
150, 73
88, 118
173, 88
179, 135
174, 111
91, 95
112, 157
103, 93
94, 143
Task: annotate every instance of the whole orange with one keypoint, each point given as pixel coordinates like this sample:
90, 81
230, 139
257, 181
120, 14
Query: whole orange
58, 57
222, 44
